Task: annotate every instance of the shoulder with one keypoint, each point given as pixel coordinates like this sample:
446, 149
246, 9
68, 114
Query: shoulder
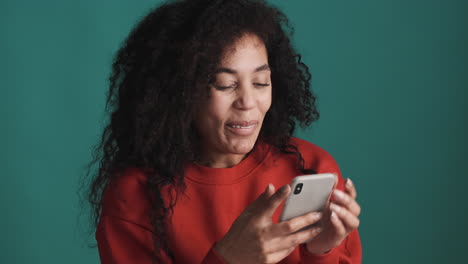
317, 158
126, 197
314, 156
307, 147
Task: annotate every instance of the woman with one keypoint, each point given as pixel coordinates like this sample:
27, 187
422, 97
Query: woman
204, 97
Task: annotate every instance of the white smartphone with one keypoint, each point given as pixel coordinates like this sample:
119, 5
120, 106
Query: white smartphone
310, 193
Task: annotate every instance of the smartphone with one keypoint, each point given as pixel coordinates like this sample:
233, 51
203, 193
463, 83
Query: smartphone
310, 193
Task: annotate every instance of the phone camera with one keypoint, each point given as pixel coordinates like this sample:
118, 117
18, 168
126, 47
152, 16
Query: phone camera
298, 188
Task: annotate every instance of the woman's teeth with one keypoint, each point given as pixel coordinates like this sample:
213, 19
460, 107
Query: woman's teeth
234, 126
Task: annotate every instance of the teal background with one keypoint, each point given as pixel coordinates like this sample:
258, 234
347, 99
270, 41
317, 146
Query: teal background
392, 80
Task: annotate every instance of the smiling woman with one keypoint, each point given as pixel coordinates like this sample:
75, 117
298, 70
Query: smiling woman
230, 119
204, 98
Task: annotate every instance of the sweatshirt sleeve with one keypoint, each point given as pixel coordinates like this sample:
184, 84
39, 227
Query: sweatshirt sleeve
124, 234
121, 241
348, 252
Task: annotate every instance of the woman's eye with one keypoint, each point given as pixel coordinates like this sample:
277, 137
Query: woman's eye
226, 87
223, 87
262, 84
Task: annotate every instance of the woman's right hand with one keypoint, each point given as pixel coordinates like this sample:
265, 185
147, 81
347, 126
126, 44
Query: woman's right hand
254, 238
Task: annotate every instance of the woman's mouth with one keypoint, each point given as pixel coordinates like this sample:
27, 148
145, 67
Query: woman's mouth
243, 128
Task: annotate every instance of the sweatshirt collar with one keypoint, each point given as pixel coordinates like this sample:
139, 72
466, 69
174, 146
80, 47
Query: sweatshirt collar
219, 176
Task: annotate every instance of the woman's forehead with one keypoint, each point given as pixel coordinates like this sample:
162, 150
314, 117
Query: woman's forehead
246, 40
247, 53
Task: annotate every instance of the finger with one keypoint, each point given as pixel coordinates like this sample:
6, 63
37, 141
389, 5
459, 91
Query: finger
279, 255
293, 240
350, 188
260, 202
349, 220
276, 199
269, 191
340, 229
302, 236
347, 201
295, 224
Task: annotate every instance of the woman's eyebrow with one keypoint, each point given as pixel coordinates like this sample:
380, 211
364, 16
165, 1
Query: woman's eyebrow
264, 67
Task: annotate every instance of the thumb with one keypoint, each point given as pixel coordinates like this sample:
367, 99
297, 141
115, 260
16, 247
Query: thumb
261, 200
276, 199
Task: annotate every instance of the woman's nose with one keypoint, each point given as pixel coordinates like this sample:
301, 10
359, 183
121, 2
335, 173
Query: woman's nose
245, 97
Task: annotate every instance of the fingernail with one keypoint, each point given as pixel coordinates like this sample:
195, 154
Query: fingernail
318, 215
269, 187
339, 194
334, 207
349, 183
334, 216
318, 229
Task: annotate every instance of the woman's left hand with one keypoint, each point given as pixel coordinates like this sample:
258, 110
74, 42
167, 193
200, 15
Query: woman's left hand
342, 219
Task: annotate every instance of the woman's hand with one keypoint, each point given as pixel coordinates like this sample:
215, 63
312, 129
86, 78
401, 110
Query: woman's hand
254, 238
342, 218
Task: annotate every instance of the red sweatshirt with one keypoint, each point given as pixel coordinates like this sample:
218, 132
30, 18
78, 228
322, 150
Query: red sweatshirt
213, 199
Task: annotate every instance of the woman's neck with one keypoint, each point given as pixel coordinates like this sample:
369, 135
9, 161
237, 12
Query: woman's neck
214, 160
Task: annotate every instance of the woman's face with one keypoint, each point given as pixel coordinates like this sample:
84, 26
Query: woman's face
230, 119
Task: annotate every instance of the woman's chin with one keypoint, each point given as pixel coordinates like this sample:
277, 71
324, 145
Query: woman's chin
243, 147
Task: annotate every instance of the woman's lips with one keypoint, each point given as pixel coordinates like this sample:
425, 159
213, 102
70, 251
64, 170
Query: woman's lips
242, 128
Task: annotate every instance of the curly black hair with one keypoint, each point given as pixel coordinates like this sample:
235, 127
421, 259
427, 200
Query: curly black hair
163, 69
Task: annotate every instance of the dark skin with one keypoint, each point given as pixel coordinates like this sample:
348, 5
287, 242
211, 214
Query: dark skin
243, 92
254, 238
